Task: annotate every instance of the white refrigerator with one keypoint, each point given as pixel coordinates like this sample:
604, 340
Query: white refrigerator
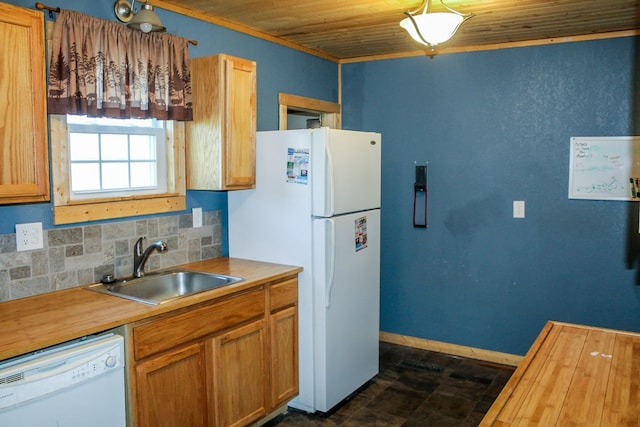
317, 205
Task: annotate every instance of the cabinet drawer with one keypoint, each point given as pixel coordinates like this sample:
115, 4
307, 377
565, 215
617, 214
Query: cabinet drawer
172, 331
284, 294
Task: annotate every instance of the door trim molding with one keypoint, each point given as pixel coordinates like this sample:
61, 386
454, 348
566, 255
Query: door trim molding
330, 112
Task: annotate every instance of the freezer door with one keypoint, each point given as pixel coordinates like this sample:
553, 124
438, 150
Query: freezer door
346, 305
345, 171
272, 222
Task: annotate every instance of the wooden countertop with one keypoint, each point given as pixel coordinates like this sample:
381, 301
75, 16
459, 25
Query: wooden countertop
573, 375
32, 323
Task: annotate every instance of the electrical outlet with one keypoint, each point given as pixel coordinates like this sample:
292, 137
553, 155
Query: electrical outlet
29, 236
197, 217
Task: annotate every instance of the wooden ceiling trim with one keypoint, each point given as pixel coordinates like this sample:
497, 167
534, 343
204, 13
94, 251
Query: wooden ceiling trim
494, 46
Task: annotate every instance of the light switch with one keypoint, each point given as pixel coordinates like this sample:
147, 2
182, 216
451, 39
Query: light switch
197, 217
518, 208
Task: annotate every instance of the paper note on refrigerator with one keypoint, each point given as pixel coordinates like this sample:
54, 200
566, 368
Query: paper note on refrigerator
298, 165
361, 233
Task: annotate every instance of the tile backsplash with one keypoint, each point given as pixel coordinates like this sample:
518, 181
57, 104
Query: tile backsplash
82, 255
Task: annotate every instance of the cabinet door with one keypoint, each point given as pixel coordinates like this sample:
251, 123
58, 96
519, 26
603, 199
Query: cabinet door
238, 375
239, 162
24, 175
221, 139
284, 356
171, 390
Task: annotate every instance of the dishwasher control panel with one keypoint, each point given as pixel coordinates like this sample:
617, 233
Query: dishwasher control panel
111, 358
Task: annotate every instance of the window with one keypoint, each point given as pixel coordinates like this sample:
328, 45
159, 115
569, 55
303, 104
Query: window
116, 157
114, 168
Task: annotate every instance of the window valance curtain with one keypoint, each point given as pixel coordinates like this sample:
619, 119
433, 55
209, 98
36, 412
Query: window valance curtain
101, 68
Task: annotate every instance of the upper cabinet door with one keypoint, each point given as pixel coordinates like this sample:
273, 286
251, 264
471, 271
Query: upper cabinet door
240, 153
221, 139
24, 163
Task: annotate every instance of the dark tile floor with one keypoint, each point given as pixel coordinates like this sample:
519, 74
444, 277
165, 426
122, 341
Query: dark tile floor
414, 388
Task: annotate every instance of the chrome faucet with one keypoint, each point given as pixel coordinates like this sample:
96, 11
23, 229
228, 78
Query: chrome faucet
140, 257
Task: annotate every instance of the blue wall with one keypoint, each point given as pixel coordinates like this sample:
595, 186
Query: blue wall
495, 127
280, 69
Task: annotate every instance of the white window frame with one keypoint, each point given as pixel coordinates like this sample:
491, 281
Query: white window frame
68, 211
158, 130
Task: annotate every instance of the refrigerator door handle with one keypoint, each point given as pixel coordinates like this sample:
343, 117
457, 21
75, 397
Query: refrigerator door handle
330, 196
331, 259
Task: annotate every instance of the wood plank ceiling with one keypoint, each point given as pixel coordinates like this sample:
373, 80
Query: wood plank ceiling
356, 30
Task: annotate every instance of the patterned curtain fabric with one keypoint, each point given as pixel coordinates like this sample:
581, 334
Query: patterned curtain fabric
101, 68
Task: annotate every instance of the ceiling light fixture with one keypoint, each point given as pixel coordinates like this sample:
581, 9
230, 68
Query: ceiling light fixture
433, 28
145, 20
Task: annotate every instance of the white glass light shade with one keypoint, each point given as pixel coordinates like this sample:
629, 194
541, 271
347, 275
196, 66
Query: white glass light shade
435, 28
146, 20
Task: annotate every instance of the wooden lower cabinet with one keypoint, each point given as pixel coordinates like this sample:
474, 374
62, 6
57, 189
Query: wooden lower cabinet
239, 383
229, 362
170, 391
284, 356
283, 329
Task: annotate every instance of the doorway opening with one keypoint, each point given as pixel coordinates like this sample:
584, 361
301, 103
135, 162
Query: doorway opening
298, 112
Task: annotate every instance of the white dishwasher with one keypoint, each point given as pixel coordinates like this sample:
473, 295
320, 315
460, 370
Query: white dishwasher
75, 384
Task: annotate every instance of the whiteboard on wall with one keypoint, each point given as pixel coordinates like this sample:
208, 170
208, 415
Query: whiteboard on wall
605, 168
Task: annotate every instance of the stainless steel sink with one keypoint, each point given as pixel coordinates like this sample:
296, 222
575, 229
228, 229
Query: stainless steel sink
161, 287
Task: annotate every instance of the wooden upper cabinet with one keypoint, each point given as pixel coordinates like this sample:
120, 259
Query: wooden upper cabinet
24, 162
221, 139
